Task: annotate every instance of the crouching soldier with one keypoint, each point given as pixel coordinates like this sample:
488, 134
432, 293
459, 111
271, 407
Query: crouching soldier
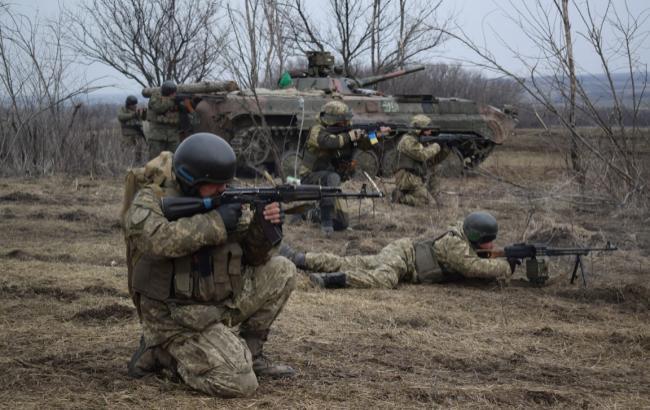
450, 256
415, 182
195, 279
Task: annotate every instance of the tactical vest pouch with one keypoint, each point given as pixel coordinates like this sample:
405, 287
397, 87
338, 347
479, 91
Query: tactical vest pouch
426, 265
209, 275
183, 284
152, 277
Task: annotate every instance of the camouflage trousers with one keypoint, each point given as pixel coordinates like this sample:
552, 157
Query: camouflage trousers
393, 264
335, 207
209, 354
413, 190
162, 139
134, 142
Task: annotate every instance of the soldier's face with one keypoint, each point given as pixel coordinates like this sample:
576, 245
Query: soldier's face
210, 189
427, 132
486, 245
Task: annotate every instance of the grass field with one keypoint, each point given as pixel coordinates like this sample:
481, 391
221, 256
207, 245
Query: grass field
69, 328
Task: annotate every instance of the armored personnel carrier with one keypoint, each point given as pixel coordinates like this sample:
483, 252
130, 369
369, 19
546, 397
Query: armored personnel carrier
270, 126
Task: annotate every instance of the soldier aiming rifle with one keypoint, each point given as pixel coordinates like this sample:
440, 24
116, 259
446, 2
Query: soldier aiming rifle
536, 268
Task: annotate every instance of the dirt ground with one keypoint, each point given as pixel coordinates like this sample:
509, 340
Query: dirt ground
68, 327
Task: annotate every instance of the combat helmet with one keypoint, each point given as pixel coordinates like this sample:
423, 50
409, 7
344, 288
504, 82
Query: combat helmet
131, 100
168, 88
201, 158
420, 121
480, 227
335, 112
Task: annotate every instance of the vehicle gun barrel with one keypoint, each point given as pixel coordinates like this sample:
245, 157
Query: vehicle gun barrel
366, 81
195, 88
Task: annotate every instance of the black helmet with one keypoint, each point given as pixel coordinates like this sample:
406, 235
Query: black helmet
480, 227
203, 157
168, 88
131, 100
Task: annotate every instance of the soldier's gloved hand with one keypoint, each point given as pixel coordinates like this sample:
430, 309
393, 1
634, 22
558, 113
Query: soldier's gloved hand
230, 214
385, 130
355, 135
514, 262
273, 213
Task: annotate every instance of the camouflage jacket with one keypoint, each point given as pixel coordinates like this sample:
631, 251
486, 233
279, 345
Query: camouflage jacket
412, 155
325, 151
455, 256
162, 110
158, 244
130, 121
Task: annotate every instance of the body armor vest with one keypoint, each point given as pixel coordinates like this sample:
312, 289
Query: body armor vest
426, 265
407, 163
316, 159
209, 275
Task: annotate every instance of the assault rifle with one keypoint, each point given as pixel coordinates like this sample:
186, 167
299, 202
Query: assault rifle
180, 207
536, 269
370, 128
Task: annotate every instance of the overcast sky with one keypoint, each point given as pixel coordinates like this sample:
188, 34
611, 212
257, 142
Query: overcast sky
480, 19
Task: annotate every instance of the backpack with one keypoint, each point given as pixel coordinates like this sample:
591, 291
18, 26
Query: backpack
155, 172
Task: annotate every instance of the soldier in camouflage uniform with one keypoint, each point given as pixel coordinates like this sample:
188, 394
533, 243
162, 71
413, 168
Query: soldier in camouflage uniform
414, 179
164, 118
197, 278
327, 160
450, 256
131, 123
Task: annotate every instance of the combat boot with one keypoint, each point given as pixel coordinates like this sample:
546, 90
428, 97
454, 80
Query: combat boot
262, 365
142, 362
150, 360
298, 258
327, 220
334, 280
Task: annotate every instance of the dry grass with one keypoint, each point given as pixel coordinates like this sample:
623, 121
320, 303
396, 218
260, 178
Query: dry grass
68, 327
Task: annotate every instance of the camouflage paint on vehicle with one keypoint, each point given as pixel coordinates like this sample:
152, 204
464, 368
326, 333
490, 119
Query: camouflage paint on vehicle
247, 118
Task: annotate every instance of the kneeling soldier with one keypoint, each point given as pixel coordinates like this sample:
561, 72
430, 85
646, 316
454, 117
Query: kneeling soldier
415, 181
193, 280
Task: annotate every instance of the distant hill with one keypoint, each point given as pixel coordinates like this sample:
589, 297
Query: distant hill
598, 88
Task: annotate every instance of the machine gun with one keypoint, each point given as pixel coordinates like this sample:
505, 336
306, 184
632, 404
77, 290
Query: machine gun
536, 269
180, 207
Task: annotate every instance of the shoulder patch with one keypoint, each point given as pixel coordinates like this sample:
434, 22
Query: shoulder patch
139, 214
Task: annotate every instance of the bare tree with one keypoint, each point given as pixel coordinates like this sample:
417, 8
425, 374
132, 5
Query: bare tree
385, 33
614, 36
255, 56
39, 96
150, 41
256, 52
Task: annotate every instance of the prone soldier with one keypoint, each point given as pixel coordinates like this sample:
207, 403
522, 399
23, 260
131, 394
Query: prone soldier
196, 278
415, 180
130, 118
451, 256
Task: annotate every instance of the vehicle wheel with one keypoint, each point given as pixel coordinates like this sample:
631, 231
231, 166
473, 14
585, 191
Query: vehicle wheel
288, 163
251, 146
389, 162
366, 161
